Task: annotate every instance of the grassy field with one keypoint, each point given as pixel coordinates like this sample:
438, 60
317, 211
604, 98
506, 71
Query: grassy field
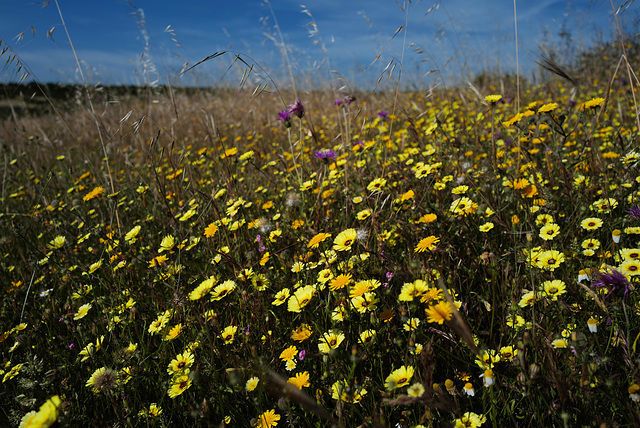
221, 258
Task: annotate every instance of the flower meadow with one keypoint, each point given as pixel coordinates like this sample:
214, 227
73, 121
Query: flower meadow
438, 259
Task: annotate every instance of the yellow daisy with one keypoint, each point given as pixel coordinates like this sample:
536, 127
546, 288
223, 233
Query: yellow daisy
428, 243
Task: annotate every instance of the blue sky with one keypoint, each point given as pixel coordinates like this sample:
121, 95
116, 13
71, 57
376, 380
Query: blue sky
458, 37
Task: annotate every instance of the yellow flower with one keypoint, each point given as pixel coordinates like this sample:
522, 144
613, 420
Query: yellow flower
302, 333
547, 108
316, 240
281, 297
12, 373
549, 231
528, 299
340, 282
228, 333
364, 214
330, 340
592, 103
229, 152
301, 298
268, 419
91, 382
367, 336
345, 240
630, 267
180, 385
550, 259
300, 380
428, 243
560, 343
487, 359
159, 323
411, 290
469, 420
222, 290
485, 227
289, 353
415, 390
493, 99
174, 332
93, 194
157, 261
82, 311
428, 218
95, 266
629, 253
45, 417
554, 288
507, 353
265, 259
439, 313
411, 324
167, 244
131, 235
57, 242
252, 384
181, 363
376, 185
399, 378
211, 230
340, 390
406, 196
247, 155
591, 223
366, 302
463, 206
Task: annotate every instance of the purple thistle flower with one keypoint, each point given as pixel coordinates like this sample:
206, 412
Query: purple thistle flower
337, 103
349, 99
325, 154
285, 116
296, 109
382, 114
614, 281
634, 212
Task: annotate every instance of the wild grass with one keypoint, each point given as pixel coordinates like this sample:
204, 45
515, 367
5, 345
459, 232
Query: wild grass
401, 259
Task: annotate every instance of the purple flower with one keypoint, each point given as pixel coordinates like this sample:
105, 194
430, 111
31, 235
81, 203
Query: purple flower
71, 346
302, 354
325, 154
285, 116
634, 212
349, 99
382, 114
296, 109
337, 103
614, 281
